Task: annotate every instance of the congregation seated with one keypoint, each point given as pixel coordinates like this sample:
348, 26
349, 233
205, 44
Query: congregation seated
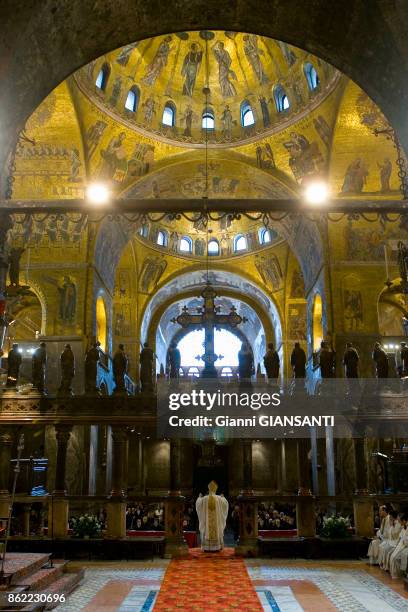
389, 547
145, 517
273, 517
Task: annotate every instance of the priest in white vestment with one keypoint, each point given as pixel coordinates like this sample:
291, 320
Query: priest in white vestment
400, 552
391, 542
212, 513
381, 535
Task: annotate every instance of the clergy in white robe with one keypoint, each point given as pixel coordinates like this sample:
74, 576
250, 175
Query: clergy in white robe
212, 513
381, 535
400, 552
390, 543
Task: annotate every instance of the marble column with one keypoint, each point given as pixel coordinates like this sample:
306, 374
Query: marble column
362, 504
174, 506
58, 507
93, 459
5, 225
6, 444
63, 433
248, 507
116, 507
26, 520
305, 507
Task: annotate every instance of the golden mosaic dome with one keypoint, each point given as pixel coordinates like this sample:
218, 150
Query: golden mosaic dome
221, 87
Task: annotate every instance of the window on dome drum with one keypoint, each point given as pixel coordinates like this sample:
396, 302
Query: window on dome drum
208, 122
281, 99
102, 78
186, 244
144, 231
162, 238
132, 99
240, 243
213, 247
169, 115
311, 76
264, 236
247, 115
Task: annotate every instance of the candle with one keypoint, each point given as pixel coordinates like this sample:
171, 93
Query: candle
386, 262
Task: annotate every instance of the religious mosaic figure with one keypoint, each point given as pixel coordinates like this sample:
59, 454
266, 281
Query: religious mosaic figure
14, 266
212, 513
149, 110
188, 118
385, 174
199, 247
355, 177
297, 286
114, 163
269, 270
266, 118
305, 157
116, 89
120, 368
264, 157
93, 136
14, 360
272, 363
92, 358
253, 54
174, 360
323, 129
124, 55
353, 309
402, 259
153, 268
75, 166
227, 123
190, 68
67, 305
38, 363
224, 70
67, 361
287, 53
154, 69
146, 368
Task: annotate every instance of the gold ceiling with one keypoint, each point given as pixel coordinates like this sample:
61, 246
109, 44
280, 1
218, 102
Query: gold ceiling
217, 72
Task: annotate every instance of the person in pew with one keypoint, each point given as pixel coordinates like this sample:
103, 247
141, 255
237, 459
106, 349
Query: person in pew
381, 535
396, 556
389, 543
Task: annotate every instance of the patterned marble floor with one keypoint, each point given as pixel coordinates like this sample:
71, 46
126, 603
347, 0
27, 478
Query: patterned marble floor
292, 586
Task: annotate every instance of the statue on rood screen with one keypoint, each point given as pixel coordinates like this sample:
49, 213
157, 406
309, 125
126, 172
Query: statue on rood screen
67, 360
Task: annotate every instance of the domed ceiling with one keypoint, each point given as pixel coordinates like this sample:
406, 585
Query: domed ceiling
220, 73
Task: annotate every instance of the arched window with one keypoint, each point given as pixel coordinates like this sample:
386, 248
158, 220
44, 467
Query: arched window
144, 231
281, 99
317, 328
162, 238
264, 235
247, 115
240, 243
101, 324
132, 99
213, 247
169, 115
311, 75
186, 244
208, 121
103, 77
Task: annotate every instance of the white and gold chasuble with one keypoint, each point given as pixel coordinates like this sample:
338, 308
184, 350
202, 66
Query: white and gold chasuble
212, 513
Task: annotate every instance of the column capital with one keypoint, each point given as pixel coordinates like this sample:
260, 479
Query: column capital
63, 432
120, 433
6, 439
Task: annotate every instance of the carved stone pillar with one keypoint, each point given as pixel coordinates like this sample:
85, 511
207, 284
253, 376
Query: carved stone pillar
63, 433
247, 468
119, 447
26, 520
361, 466
6, 443
362, 504
174, 507
305, 507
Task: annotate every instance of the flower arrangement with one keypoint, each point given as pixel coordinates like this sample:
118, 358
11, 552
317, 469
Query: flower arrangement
86, 526
335, 527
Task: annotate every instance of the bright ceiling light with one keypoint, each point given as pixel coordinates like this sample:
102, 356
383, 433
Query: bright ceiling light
97, 193
316, 192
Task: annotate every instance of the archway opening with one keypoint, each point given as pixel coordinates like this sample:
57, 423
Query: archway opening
317, 322
227, 345
101, 323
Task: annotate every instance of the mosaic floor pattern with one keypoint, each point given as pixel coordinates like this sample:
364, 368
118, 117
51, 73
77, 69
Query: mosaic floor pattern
205, 583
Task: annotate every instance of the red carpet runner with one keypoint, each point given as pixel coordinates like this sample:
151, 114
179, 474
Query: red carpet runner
207, 581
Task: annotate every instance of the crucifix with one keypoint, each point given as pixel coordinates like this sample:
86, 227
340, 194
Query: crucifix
209, 317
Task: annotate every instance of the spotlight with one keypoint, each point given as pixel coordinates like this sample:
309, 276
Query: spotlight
316, 192
97, 193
